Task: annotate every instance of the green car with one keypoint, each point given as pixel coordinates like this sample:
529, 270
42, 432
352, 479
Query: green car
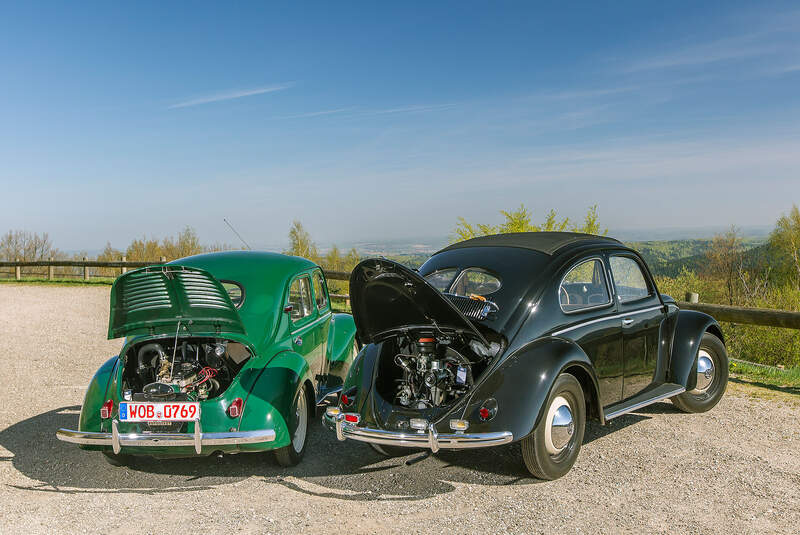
224, 352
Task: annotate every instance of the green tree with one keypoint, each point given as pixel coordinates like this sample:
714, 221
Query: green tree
784, 244
521, 220
301, 244
724, 262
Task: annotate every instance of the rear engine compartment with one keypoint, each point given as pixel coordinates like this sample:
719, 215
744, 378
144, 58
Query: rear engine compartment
184, 369
425, 369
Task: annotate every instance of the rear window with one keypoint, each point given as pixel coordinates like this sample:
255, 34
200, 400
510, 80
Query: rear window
235, 292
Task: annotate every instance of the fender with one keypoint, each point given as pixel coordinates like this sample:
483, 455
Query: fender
96, 395
341, 337
360, 375
522, 383
270, 399
689, 331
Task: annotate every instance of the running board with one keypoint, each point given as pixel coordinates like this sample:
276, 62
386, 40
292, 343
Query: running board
648, 397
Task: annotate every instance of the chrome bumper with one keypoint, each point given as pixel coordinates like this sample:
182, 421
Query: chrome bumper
429, 438
198, 439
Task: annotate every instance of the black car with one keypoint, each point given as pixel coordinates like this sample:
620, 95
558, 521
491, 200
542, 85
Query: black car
519, 337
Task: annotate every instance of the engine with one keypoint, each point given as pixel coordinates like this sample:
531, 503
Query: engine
434, 373
196, 369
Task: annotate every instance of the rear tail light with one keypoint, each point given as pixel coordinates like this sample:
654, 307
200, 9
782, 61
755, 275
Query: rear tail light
351, 418
235, 408
107, 409
345, 399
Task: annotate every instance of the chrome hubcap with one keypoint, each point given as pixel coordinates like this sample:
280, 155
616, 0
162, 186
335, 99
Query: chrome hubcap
705, 372
559, 426
301, 416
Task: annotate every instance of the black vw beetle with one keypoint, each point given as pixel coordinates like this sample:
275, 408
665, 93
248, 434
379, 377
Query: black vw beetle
519, 337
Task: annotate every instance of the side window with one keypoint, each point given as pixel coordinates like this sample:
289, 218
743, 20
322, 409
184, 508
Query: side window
300, 299
628, 278
320, 293
474, 281
584, 286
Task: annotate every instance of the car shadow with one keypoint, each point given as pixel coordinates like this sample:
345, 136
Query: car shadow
347, 471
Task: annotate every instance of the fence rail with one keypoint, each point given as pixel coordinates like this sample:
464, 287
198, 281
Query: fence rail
753, 316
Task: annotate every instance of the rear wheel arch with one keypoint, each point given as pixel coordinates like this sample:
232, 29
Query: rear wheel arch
589, 386
716, 330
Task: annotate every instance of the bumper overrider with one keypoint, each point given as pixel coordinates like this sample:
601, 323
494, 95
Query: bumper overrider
422, 438
198, 439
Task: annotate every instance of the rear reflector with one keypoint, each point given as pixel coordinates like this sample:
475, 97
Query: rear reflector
352, 418
235, 408
107, 409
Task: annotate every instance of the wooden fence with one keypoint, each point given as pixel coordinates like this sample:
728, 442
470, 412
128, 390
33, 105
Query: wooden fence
752, 316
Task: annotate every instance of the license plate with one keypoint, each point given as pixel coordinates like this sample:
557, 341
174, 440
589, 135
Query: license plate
165, 412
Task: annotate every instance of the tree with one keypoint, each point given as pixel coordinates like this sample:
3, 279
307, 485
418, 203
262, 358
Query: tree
784, 244
27, 246
724, 261
301, 243
521, 220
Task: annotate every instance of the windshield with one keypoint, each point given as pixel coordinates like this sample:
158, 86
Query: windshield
469, 282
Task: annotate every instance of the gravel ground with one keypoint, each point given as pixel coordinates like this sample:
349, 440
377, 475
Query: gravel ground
734, 469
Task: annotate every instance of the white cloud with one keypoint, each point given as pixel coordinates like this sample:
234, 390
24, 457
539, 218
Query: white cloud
230, 95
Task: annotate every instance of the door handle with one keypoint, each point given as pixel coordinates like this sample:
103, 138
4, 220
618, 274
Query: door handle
627, 322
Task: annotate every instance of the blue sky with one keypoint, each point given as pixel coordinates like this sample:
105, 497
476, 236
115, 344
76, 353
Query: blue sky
372, 122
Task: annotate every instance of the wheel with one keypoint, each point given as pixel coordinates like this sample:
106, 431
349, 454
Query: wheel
552, 448
293, 453
120, 459
712, 377
392, 451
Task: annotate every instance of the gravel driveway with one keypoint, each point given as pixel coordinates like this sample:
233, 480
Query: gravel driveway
734, 469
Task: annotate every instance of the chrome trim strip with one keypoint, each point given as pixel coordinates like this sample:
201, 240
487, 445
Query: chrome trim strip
644, 403
198, 439
307, 325
606, 318
430, 439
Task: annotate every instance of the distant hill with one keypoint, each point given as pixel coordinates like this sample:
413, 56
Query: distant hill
668, 258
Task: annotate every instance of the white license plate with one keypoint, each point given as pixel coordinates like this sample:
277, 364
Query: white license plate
165, 412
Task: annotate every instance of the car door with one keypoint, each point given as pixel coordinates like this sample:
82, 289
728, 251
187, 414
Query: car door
323, 323
642, 314
585, 299
304, 318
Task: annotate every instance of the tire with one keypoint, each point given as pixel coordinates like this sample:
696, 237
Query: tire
118, 459
393, 451
548, 456
706, 396
292, 454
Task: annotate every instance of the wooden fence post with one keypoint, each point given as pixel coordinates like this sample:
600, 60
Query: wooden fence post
163, 259
51, 271
124, 269
86, 269
17, 271
692, 297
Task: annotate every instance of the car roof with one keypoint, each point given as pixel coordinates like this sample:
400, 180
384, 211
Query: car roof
264, 277
548, 243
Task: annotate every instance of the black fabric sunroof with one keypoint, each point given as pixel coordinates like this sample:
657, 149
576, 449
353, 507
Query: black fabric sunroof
544, 242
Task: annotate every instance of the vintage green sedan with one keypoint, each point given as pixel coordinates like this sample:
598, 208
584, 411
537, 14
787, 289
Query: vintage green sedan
224, 352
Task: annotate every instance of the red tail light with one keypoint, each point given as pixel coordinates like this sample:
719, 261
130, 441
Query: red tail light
345, 399
352, 418
484, 413
107, 409
235, 408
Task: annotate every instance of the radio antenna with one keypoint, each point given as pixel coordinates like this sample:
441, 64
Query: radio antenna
237, 234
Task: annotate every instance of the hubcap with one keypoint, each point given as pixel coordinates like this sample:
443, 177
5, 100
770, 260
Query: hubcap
301, 417
705, 372
560, 426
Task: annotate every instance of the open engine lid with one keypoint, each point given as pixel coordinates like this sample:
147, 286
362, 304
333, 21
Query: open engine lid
386, 296
154, 299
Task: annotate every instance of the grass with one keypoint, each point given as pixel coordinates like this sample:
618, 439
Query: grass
768, 376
